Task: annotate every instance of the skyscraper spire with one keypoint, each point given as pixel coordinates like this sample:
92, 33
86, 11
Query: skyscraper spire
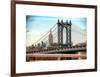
50, 38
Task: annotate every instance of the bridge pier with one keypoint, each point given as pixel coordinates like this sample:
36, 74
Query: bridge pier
81, 53
58, 58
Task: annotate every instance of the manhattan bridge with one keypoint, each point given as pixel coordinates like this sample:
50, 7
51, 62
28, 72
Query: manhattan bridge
59, 40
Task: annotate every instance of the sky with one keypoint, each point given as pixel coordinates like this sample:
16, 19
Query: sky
37, 25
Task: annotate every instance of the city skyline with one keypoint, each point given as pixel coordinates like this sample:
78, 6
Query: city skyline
37, 25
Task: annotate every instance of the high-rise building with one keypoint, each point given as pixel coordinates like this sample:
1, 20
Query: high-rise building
50, 38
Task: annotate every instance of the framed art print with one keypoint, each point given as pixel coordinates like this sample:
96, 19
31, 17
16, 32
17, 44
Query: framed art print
52, 38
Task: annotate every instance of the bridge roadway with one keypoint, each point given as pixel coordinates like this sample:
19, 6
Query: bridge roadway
67, 50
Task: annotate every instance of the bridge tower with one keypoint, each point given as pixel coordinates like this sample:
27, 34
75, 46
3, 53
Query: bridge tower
67, 26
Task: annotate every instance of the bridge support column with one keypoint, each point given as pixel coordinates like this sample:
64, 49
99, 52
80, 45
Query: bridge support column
68, 34
60, 33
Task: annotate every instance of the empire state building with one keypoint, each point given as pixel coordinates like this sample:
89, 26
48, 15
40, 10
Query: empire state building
50, 38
